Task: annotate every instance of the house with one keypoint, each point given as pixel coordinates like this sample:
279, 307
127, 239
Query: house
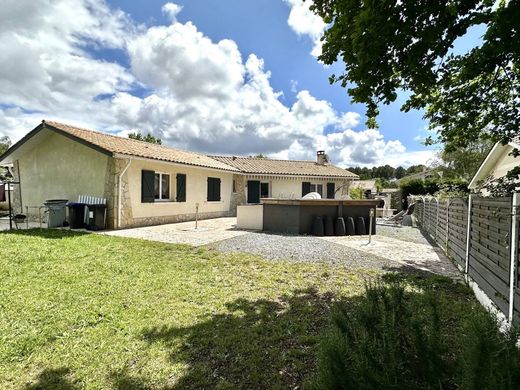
148, 184
369, 187
424, 175
497, 163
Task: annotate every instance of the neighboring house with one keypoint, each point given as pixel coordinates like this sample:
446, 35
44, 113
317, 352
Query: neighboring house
369, 187
426, 174
497, 163
147, 184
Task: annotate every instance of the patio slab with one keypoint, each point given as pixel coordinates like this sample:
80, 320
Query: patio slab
209, 231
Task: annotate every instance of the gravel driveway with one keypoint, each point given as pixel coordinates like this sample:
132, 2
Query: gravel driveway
300, 249
396, 248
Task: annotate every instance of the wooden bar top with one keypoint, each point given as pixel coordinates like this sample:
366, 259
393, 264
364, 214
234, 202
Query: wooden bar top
321, 202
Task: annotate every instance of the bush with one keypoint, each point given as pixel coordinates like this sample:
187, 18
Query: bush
356, 193
398, 339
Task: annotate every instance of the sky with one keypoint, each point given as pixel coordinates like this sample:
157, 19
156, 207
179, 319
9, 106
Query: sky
216, 76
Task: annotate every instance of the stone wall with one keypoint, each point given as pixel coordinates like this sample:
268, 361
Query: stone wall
151, 221
114, 168
239, 196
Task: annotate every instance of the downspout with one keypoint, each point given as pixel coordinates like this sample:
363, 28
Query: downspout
119, 196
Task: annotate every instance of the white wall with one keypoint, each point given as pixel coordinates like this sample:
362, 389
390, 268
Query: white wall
505, 163
250, 217
292, 188
196, 190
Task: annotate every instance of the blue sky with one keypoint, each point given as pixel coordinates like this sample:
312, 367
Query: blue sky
216, 76
261, 28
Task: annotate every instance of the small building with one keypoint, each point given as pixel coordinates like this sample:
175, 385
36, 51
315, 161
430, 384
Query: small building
149, 184
369, 187
497, 163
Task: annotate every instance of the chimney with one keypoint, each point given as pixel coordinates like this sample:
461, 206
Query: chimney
322, 158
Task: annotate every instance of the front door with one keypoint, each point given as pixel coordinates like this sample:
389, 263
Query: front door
253, 191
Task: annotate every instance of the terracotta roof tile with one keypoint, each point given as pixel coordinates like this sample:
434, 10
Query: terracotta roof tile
267, 166
131, 147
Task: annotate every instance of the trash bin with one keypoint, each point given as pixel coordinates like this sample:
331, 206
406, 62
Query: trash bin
77, 215
96, 216
56, 212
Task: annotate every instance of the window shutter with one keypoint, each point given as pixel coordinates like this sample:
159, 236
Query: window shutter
210, 189
147, 186
331, 190
181, 187
213, 189
217, 189
253, 191
306, 188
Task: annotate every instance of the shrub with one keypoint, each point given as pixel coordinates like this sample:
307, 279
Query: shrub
398, 339
356, 193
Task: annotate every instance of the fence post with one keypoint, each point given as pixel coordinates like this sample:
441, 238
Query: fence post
447, 224
437, 221
515, 217
468, 233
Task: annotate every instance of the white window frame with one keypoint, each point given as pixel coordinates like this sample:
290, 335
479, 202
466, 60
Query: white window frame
314, 188
268, 189
160, 199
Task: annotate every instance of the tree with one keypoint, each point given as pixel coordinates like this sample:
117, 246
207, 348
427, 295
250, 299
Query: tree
146, 138
5, 143
463, 163
407, 45
400, 172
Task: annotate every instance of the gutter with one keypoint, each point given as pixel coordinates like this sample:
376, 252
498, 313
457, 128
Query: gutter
119, 197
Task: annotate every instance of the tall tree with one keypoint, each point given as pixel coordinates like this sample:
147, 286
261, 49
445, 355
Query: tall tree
388, 46
5, 143
146, 138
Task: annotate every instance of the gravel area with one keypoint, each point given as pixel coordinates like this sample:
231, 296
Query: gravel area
393, 248
403, 233
299, 249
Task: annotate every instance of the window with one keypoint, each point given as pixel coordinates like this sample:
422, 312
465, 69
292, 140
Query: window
181, 187
264, 190
317, 188
213, 189
234, 185
162, 186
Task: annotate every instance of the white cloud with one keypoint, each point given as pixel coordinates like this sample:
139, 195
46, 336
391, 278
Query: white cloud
304, 22
171, 10
202, 95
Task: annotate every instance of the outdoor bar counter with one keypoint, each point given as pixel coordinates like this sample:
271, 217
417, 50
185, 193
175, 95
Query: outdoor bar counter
296, 216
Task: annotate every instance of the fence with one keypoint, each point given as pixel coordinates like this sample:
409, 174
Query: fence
481, 235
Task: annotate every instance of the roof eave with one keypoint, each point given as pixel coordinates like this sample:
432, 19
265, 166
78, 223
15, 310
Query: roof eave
134, 157
483, 168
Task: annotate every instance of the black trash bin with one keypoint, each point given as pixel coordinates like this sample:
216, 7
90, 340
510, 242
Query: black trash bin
77, 215
97, 214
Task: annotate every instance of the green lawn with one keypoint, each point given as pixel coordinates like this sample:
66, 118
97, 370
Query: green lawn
91, 311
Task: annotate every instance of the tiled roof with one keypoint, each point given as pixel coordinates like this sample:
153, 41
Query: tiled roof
365, 184
267, 166
131, 147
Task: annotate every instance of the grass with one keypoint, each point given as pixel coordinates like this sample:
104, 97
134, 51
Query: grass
92, 311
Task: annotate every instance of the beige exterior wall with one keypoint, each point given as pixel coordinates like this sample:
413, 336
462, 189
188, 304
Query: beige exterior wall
505, 163
136, 213
289, 188
59, 168
250, 217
